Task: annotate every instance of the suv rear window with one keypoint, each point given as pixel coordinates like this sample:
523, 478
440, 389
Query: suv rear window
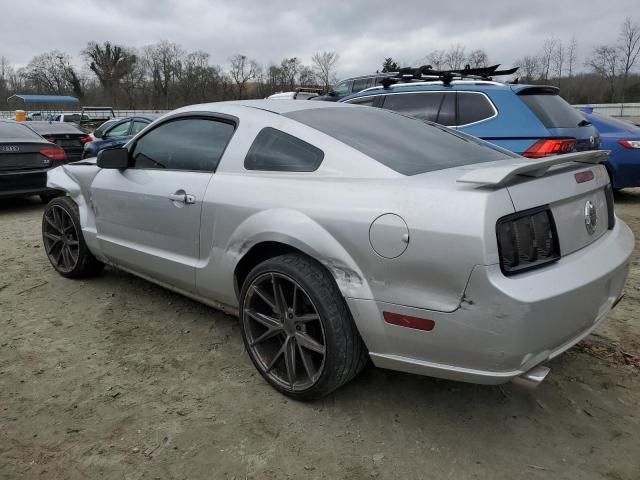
17, 130
552, 110
407, 145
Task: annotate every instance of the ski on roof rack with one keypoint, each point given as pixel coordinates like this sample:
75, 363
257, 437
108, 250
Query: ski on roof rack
426, 72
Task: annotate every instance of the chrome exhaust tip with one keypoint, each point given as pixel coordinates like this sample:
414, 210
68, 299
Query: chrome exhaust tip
531, 379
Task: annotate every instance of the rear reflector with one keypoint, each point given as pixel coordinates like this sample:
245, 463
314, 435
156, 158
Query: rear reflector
409, 322
585, 176
54, 153
545, 148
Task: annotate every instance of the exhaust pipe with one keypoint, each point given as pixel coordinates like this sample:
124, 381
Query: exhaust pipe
534, 377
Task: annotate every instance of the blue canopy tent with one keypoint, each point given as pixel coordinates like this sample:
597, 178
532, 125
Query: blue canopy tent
43, 103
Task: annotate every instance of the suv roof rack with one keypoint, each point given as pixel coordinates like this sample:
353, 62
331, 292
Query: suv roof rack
427, 73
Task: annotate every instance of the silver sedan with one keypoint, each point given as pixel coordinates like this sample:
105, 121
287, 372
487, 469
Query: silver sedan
340, 234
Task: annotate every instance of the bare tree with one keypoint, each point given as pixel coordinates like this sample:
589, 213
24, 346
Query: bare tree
437, 59
306, 76
110, 63
242, 70
478, 58
164, 62
46, 72
604, 61
546, 58
290, 68
572, 59
324, 66
558, 59
455, 57
529, 68
629, 48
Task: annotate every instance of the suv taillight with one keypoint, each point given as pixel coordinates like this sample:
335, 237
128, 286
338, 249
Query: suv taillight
527, 240
551, 146
86, 139
54, 153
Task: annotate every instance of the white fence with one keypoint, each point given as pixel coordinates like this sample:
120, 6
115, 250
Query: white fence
615, 109
119, 113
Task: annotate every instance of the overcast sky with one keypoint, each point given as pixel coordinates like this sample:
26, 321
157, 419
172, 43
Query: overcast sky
363, 32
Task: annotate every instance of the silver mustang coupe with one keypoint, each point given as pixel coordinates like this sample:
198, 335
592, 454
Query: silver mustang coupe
339, 233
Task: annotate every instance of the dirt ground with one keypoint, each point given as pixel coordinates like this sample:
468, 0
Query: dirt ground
116, 378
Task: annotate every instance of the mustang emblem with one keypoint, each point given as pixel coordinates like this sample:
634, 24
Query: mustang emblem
590, 217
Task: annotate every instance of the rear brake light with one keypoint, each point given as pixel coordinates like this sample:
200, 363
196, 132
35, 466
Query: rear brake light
86, 139
527, 240
630, 143
555, 146
52, 153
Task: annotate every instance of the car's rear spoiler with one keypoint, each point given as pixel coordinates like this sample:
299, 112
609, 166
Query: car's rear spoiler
502, 172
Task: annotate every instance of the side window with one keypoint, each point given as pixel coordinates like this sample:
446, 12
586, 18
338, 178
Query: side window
363, 101
273, 150
424, 106
447, 115
183, 144
343, 88
473, 107
119, 130
362, 83
137, 126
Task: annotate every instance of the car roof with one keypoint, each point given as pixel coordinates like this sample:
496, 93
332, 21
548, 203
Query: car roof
274, 106
455, 85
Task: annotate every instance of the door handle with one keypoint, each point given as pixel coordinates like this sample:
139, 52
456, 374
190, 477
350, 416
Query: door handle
182, 198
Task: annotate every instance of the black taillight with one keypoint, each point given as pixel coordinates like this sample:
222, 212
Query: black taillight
527, 240
608, 191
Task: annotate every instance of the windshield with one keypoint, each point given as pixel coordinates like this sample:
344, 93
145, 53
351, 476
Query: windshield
404, 144
16, 130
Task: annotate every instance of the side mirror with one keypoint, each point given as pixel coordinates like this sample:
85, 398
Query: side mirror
98, 134
332, 93
117, 158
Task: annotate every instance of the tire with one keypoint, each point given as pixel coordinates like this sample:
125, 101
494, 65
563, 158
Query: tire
315, 347
63, 240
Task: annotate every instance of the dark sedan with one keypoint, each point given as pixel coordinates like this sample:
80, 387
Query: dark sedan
117, 134
66, 135
25, 158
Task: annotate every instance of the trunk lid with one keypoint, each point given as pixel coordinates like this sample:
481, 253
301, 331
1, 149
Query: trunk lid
21, 155
568, 184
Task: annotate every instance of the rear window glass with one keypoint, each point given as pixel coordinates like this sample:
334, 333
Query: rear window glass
362, 83
406, 145
424, 106
17, 130
552, 110
273, 150
473, 107
610, 124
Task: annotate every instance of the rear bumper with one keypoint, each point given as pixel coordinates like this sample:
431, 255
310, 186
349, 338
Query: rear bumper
504, 326
23, 183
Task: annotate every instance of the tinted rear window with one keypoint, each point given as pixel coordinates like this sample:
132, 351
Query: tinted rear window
273, 150
16, 130
473, 107
424, 106
406, 145
552, 110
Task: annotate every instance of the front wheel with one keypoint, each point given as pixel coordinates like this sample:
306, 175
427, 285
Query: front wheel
297, 329
63, 241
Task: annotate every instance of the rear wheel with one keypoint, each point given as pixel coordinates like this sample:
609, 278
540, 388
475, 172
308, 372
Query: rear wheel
297, 329
63, 240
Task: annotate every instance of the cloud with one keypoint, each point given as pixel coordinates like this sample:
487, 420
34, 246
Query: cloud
363, 32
